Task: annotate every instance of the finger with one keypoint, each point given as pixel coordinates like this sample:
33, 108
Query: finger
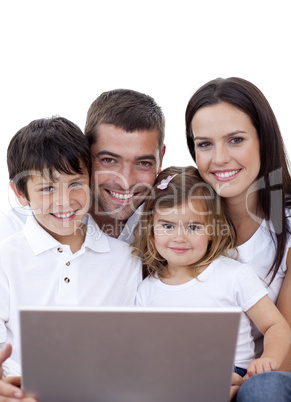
8, 390
5, 353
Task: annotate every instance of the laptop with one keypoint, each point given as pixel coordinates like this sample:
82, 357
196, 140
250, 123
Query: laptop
128, 354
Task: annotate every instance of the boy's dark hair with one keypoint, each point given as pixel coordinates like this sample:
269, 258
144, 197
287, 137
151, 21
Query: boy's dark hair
53, 144
126, 109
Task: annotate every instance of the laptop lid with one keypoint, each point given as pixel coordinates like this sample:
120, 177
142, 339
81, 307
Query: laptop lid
128, 354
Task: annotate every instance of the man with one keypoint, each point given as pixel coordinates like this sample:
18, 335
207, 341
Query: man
126, 132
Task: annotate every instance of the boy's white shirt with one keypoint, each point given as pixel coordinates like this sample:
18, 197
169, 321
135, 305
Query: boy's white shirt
13, 220
33, 266
224, 283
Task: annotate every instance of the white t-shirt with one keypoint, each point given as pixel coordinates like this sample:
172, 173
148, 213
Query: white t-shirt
259, 253
224, 283
35, 269
14, 220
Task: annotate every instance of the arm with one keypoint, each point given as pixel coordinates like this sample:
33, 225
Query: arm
277, 336
9, 392
284, 306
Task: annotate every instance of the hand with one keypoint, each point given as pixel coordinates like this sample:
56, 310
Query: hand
261, 365
9, 392
236, 382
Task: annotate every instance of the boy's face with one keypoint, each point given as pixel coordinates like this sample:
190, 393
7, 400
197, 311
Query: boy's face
58, 205
124, 169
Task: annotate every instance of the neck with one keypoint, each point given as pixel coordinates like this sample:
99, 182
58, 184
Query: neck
177, 275
112, 227
246, 216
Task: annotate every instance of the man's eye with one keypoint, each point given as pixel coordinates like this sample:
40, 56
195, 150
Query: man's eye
145, 164
108, 160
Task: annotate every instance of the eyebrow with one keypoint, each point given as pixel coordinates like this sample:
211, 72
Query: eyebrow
173, 223
226, 135
142, 157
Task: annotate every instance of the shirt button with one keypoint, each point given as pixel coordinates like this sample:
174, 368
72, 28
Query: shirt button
60, 250
68, 263
67, 280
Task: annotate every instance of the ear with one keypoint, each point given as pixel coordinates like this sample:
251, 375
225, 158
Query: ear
20, 197
161, 158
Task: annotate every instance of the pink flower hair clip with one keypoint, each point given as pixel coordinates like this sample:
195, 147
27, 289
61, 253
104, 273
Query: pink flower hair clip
164, 183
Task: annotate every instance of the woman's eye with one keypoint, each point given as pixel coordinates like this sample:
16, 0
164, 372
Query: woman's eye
204, 144
236, 140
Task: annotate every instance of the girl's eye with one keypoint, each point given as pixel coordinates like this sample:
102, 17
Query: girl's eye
194, 227
168, 226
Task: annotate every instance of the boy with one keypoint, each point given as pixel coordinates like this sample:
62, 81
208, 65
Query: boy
61, 257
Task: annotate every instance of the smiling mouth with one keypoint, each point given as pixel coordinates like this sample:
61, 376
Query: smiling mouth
121, 196
179, 250
226, 175
65, 215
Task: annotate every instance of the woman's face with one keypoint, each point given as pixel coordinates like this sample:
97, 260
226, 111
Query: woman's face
227, 149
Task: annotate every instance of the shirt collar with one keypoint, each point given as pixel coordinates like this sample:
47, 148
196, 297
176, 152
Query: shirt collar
41, 241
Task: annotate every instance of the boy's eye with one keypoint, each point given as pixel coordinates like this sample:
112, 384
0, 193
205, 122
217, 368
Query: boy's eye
75, 184
48, 188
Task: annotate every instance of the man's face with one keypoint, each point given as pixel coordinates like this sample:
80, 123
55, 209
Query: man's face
124, 169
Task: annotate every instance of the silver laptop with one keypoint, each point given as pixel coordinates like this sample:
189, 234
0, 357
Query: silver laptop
128, 354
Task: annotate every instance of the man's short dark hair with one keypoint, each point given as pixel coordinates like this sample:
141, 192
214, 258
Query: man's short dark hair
127, 109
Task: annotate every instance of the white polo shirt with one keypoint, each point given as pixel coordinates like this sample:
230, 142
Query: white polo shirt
35, 269
14, 220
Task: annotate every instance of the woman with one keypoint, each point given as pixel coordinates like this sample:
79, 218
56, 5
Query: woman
234, 138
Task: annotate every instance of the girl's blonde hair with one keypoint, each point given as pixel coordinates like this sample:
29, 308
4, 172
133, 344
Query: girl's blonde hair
186, 185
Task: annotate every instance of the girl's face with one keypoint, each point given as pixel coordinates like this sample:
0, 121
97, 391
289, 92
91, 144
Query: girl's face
227, 149
180, 234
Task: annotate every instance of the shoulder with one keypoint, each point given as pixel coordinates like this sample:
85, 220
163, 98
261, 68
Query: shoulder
12, 221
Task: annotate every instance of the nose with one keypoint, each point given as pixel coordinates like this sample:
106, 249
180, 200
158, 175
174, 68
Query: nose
221, 154
62, 197
126, 177
179, 234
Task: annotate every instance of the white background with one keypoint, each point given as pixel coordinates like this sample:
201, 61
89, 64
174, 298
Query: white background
58, 56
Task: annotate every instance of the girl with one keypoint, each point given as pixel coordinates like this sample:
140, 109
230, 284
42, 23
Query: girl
184, 236
234, 138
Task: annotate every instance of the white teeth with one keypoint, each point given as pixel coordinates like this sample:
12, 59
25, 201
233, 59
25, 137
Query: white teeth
67, 215
121, 196
227, 174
